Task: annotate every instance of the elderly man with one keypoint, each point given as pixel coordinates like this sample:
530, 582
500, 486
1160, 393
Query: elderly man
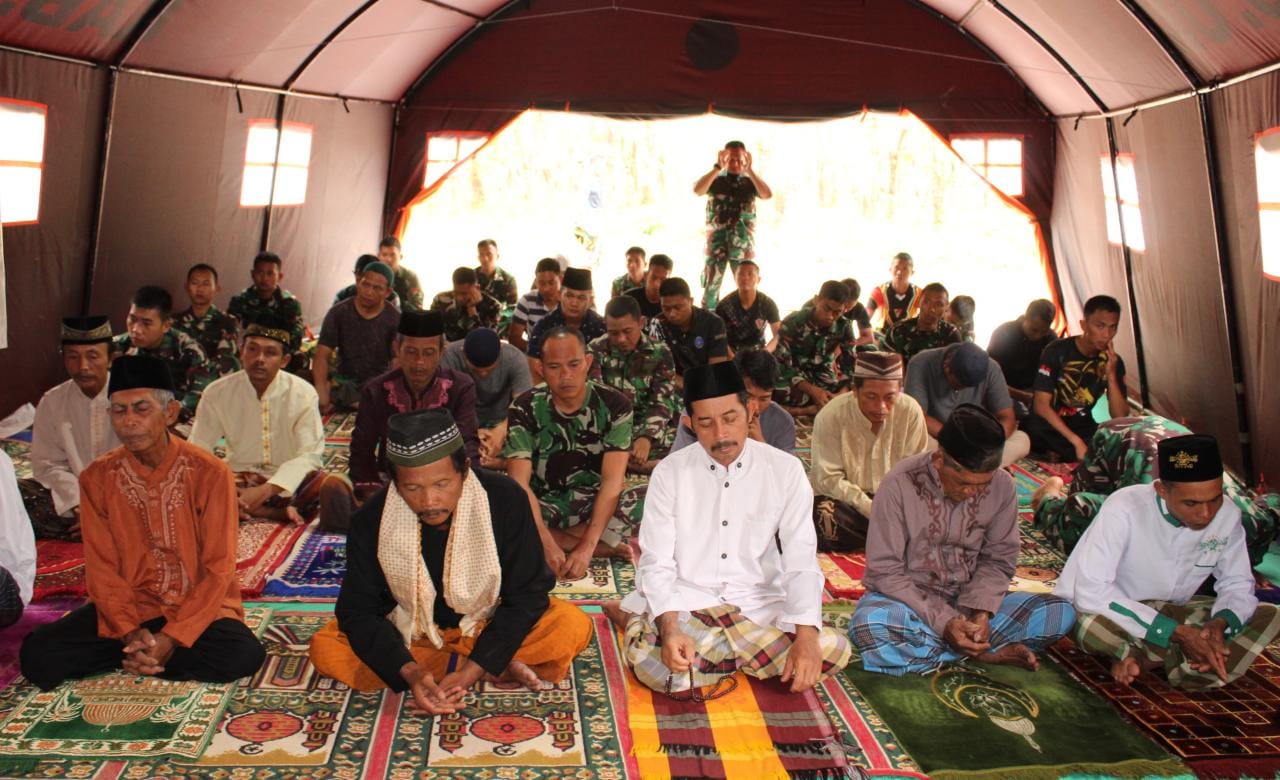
941, 550
812, 343
644, 371
857, 439
731, 187
574, 311
924, 331
17, 548
159, 522
945, 377
500, 373
634, 277
471, 308
746, 312
363, 262
445, 561
361, 330
568, 441
649, 294
72, 428
420, 382
1135, 574
266, 294
728, 578
537, 303
405, 282
271, 422
213, 329
695, 335
150, 332
767, 422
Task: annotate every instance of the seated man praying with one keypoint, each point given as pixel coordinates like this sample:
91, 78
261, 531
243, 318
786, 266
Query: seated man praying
574, 311
445, 560
767, 422
361, 330
1016, 346
810, 348
857, 439
151, 332
728, 576
926, 330
1136, 572
271, 422
17, 547
472, 307
694, 335
158, 516
500, 373
216, 331
941, 551
567, 444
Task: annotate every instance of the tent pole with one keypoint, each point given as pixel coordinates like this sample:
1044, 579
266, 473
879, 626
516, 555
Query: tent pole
100, 191
391, 163
271, 195
1128, 269
1229, 311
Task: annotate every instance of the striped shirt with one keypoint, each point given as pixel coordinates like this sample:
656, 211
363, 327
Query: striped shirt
530, 309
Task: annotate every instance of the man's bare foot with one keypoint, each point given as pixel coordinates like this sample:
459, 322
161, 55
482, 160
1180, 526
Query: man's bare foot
802, 411
642, 468
521, 673
622, 551
1012, 655
1125, 671
1052, 488
616, 614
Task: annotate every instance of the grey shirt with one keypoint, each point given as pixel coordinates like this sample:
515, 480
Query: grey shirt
929, 386
495, 392
778, 427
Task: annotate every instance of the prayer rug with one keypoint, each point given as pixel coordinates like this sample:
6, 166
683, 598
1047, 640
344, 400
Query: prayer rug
260, 546
606, 579
843, 573
973, 720
20, 453
59, 570
336, 458
338, 427
1228, 732
109, 717
312, 572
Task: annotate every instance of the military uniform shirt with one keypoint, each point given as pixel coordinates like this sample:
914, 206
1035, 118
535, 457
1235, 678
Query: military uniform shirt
647, 377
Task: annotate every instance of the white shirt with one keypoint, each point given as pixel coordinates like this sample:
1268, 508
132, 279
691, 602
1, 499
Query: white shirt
708, 538
1132, 553
279, 436
17, 540
71, 430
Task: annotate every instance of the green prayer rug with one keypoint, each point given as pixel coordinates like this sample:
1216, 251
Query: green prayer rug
972, 720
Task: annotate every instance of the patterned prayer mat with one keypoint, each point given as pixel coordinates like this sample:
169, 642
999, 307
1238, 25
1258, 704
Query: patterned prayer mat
312, 572
973, 720
19, 451
843, 573
59, 570
109, 717
260, 547
338, 427
606, 579
1229, 732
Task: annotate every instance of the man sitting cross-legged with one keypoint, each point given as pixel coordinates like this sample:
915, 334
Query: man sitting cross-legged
444, 561
158, 517
857, 439
1136, 571
810, 349
361, 330
501, 374
694, 335
567, 445
941, 550
271, 421
728, 578
643, 370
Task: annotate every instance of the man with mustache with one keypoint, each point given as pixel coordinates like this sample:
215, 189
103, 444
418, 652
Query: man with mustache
444, 565
568, 442
271, 422
159, 521
72, 428
728, 576
857, 438
767, 422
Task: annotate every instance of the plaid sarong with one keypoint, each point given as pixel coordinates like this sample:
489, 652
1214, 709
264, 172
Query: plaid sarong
725, 642
894, 640
1100, 636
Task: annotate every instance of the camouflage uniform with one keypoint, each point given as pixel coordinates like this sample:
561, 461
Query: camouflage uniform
647, 377
457, 323
442, 301
218, 335
188, 366
806, 353
731, 231
247, 305
622, 284
567, 454
504, 287
905, 338
1121, 453
407, 287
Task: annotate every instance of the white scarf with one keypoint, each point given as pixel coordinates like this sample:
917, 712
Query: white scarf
472, 574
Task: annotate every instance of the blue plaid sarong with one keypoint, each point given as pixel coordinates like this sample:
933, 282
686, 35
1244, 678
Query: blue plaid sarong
894, 640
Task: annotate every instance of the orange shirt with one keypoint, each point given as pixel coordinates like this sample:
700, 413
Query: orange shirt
160, 542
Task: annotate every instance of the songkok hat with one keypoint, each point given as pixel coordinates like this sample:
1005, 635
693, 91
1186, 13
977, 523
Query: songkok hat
421, 324
971, 436
968, 363
130, 372
1193, 458
421, 437
382, 268
482, 347
878, 365
712, 381
86, 330
577, 279
268, 326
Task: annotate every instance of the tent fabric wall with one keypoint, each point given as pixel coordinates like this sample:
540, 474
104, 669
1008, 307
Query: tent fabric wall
1240, 112
45, 262
1176, 279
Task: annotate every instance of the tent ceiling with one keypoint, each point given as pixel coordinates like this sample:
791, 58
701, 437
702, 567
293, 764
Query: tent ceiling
378, 48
